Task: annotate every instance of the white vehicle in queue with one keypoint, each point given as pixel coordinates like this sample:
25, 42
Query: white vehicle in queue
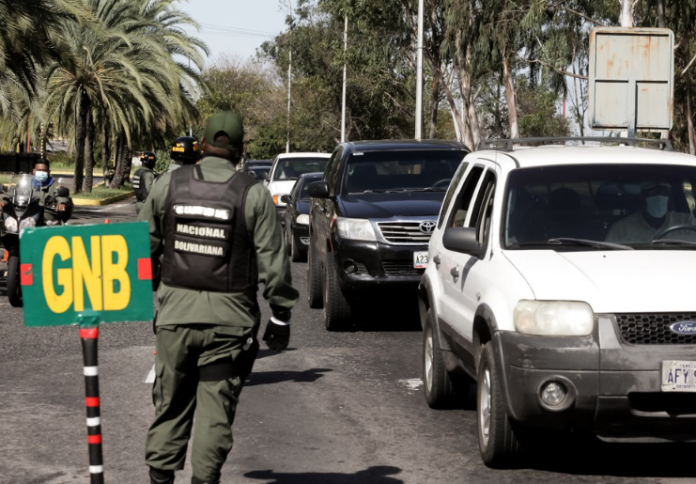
561, 280
286, 169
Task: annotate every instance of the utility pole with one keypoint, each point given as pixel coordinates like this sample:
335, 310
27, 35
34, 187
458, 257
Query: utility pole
287, 144
419, 74
345, 81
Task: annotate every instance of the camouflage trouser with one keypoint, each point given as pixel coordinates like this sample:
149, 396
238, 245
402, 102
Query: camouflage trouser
138, 207
200, 369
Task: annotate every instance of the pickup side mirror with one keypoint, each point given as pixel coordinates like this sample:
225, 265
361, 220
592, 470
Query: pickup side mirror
265, 176
461, 239
287, 199
319, 189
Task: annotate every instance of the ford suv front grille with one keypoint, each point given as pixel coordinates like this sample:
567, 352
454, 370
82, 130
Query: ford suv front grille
654, 329
407, 232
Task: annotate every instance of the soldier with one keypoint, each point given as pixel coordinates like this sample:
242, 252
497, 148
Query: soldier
185, 151
218, 234
143, 178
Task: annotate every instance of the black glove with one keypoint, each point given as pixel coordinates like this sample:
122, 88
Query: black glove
277, 336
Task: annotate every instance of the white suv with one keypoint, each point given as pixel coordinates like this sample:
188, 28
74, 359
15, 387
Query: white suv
562, 280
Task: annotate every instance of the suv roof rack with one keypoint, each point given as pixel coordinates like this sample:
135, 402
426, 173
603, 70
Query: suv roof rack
663, 144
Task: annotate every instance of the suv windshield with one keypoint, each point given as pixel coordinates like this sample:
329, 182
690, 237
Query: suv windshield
292, 168
600, 207
398, 171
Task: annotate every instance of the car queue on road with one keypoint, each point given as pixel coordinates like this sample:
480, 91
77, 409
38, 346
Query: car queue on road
536, 270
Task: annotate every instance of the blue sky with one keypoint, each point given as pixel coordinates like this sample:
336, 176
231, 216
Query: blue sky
236, 27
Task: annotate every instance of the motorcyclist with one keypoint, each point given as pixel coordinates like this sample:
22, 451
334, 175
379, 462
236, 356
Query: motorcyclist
143, 178
52, 195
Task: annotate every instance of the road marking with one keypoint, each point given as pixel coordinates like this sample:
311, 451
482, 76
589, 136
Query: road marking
111, 207
150, 376
91, 370
412, 383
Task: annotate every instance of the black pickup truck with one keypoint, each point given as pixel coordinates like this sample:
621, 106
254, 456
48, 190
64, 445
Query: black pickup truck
371, 218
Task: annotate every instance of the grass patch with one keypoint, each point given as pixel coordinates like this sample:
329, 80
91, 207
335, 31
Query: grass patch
5, 178
103, 192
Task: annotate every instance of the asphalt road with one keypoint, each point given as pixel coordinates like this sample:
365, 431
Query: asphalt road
342, 408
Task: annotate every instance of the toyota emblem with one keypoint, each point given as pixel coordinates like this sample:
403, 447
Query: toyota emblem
427, 227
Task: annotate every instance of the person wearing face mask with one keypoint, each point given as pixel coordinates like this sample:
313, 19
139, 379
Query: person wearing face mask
56, 207
654, 217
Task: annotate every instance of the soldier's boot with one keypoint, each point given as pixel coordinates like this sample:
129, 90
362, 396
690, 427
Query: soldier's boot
161, 477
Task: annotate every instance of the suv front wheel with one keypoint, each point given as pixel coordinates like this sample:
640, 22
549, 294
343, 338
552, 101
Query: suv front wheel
437, 382
499, 446
337, 310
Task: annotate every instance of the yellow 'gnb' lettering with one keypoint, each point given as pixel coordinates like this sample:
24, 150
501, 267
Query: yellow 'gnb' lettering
102, 276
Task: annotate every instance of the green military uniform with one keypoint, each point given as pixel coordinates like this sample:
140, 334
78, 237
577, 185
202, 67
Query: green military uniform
199, 328
147, 178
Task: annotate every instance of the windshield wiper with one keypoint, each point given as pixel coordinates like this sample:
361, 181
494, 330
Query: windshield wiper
673, 242
426, 189
589, 243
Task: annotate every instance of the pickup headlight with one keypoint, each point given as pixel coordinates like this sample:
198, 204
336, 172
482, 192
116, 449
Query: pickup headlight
302, 219
355, 229
27, 222
11, 225
553, 318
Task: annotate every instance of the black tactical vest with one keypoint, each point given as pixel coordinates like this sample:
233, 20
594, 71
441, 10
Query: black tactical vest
138, 187
206, 243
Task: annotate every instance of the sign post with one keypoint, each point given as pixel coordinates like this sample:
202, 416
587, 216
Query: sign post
85, 275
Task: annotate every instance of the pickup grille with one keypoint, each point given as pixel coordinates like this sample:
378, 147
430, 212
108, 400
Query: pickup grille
401, 269
653, 329
403, 232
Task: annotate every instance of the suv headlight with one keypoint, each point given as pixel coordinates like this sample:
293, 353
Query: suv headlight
302, 219
27, 222
355, 229
11, 224
553, 318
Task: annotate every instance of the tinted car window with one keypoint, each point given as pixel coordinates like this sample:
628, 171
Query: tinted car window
304, 189
259, 172
292, 168
461, 207
401, 171
450, 192
593, 202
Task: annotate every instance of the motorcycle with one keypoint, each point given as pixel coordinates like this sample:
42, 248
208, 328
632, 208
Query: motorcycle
23, 211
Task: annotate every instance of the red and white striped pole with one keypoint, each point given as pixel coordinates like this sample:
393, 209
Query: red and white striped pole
90, 338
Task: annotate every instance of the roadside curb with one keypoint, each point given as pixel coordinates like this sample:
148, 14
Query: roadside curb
85, 202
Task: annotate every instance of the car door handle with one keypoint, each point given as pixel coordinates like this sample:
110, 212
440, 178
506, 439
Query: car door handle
437, 261
455, 273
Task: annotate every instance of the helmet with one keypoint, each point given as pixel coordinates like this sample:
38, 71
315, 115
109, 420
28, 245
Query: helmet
148, 159
186, 150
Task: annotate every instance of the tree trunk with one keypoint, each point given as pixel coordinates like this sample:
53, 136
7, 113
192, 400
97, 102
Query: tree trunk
511, 98
661, 14
89, 154
448, 94
127, 163
435, 101
690, 118
80, 136
106, 155
626, 18
475, 126
117, 180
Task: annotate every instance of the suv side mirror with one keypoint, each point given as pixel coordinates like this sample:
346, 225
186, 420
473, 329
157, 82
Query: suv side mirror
461, 239
319, 189
286, 199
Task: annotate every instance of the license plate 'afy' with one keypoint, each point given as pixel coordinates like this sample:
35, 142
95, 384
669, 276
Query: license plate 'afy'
678, 376
420, 260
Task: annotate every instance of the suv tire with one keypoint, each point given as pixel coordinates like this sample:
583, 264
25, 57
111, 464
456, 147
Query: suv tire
438, 385
499, 446
337, 310
295, 254
314, 297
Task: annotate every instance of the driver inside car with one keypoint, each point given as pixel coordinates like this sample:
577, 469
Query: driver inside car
653, 217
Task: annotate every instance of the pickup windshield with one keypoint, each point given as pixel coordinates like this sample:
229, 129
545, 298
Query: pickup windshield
401, 171
292, 168
597, 207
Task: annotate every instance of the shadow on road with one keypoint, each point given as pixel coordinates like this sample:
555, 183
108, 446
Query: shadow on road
596, 458
268, 377
372, 475
387, 311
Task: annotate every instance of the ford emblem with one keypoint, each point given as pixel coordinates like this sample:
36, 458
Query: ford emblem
684, 327
427, 227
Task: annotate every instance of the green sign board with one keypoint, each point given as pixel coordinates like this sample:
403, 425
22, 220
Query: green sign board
71, 270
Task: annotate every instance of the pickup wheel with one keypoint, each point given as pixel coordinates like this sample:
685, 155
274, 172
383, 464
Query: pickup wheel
337, 310
314, 297
437, 383
499, 446
295, 254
